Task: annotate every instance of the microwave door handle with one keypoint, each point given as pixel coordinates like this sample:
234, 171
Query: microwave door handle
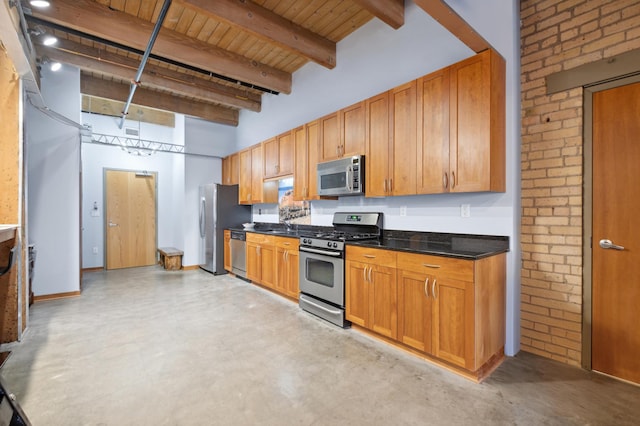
349, 178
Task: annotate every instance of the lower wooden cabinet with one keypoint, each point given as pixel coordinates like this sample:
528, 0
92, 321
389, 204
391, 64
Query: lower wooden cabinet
260, 259
450, 309
227, 250
371, 289
287, 267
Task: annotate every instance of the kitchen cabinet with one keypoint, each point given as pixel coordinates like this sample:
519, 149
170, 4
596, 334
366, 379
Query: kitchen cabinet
391, 135
474, 158
252, 188
278, 156
452, 309
231, 170
371, 289
227, 250
305, 177
287, 266
261, 259
342, 134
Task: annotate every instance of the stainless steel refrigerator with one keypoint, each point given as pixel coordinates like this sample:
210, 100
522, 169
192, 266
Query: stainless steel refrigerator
219, 210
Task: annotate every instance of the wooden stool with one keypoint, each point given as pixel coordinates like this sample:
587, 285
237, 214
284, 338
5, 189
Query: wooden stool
171, 258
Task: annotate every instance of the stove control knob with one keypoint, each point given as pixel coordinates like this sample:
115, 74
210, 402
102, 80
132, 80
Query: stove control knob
329, 244
335, 245
306, 241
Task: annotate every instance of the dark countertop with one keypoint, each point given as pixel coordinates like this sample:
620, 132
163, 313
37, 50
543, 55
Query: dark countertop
462, 246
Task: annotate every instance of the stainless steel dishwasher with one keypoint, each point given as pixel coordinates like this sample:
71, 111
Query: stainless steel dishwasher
238, 253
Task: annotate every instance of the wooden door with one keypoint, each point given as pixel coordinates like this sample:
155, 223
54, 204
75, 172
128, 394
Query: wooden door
433, 133
329, 148
292, 288
414, 310
313, 138
130, 219
285, 154
268, 265
377, 151
244, 189
256, 174
352, 124
227, 250
356, 293
615, 340
235, 169
270, 154
383, 301
453, 321
282, 270
254, 267
300, 171
402, 121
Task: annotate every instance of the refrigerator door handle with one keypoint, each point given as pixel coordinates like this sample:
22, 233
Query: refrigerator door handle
202, 218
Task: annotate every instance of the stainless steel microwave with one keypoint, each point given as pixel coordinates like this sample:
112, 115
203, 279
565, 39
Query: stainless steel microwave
341, 177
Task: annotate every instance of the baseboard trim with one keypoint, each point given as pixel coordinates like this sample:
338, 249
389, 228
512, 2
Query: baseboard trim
55, 296
96, 269
190, 267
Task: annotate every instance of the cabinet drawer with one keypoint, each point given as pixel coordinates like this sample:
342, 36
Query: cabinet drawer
371, 255
287, 243
458, 269
253, 237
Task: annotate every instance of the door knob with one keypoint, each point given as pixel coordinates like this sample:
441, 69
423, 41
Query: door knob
111, 224
607, 244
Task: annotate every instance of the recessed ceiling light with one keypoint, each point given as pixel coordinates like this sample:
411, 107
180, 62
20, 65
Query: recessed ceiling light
39, 3
49, 40
55, 66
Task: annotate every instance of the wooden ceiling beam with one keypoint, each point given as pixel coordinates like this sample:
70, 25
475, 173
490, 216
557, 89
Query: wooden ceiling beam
269, 26
93, 86
98, 20
391, 12
97, 60
448, 18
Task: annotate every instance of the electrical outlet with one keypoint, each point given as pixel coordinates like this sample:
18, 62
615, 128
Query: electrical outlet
465, 210
95, 213
95, 250
403, 210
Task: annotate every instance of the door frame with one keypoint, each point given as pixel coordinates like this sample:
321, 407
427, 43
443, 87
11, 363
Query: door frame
104, 203
587, 213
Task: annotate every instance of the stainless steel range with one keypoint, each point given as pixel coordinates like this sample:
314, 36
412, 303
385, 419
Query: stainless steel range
322, 275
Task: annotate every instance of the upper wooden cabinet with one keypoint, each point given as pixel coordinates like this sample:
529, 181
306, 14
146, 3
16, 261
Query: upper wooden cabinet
231, 169
253, 189
305, 177
473, 160
278, 156
342, 134
391, 142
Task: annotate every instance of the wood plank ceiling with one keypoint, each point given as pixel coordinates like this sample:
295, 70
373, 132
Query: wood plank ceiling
211, 58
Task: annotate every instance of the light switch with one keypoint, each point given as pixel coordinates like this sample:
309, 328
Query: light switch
465, 210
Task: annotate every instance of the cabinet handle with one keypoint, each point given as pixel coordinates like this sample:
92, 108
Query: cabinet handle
385, 185
364, 274
430, 265
433, 289
453, 180
390, 184
426, 284
338, 151
369, 256
445, 180
258, 250
370, 269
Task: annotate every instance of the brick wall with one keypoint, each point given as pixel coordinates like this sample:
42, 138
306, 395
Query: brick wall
558, 35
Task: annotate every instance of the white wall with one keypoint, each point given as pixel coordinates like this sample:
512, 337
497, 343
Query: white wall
376, 58
53, 165
205, 137
170, 182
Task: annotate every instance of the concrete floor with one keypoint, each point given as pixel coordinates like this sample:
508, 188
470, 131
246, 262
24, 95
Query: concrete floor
151, 347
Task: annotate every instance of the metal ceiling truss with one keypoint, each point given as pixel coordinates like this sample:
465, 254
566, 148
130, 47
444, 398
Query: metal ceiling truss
132, 146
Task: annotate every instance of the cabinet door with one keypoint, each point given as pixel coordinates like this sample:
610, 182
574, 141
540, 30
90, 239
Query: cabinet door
403, 155
453, 322
227, 250
356, 293
433, 133
377, 149
383, 306
254, 266
352, 130
282, 270
235, 169
329, 137
313, 141
293, 267
285, 154
270, 157
415, 310
226, 170
256, 174
245, 187
268, 265
300, 171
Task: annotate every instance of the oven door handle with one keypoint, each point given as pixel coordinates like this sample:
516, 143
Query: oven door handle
316, 251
